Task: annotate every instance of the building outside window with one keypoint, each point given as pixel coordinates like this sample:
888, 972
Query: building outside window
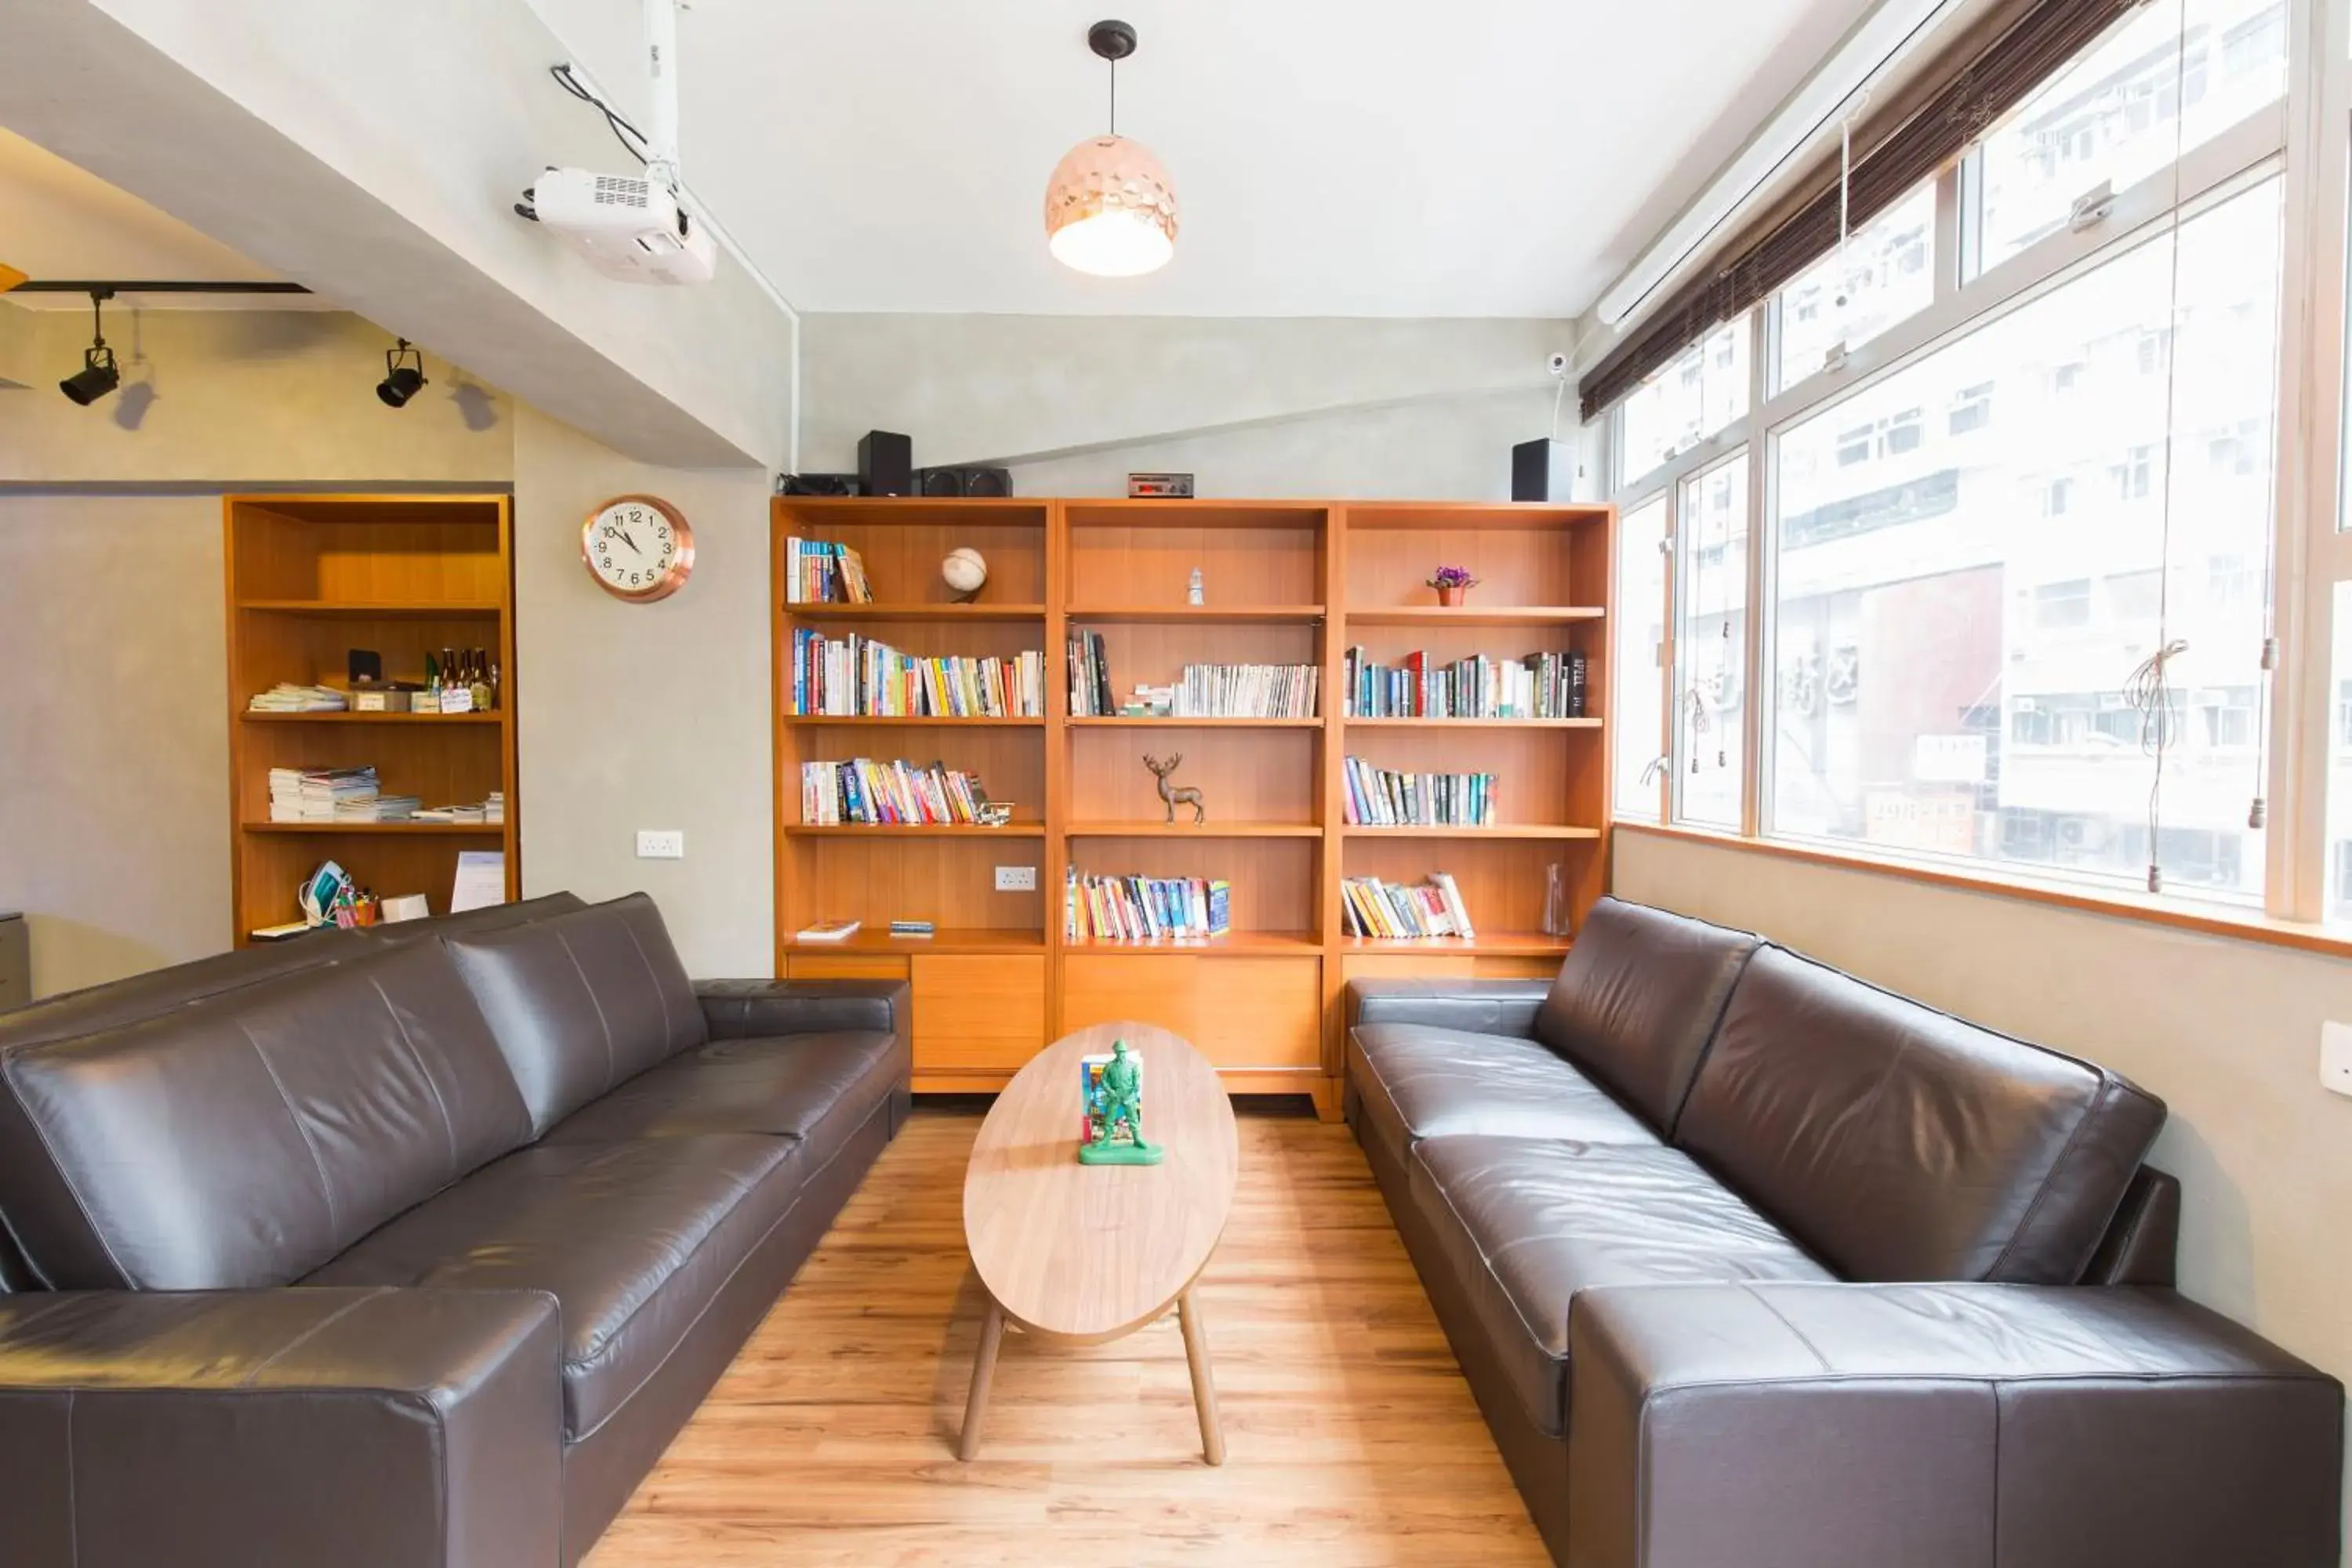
1885, 275
1637, 704
1704, 389
1711, 644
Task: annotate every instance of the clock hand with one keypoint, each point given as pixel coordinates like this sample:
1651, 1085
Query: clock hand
627, 541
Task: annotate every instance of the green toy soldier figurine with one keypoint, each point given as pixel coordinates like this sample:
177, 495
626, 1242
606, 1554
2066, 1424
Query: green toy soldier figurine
1114, 1089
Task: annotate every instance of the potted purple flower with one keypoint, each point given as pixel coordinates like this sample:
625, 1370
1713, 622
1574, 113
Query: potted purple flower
1451, 583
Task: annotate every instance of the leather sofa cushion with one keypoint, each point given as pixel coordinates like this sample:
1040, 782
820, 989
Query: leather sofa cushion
581, 1002
632, 1240
244, 1140
1416, 1081
1637, 1000
819, 1088
1530, 1224
1900, 1144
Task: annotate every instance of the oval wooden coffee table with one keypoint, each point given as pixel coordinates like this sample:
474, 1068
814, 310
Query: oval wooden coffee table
1080, 1254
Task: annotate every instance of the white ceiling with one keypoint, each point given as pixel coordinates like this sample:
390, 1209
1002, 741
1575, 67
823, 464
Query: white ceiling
1331, 157
60, 221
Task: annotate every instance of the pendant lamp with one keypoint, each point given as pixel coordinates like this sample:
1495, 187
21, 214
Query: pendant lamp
1109, 209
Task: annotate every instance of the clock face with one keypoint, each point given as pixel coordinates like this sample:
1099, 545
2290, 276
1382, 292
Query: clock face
637, 548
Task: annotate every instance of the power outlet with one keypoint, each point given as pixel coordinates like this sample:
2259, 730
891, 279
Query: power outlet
1017, 878
668, 844
2336, 1057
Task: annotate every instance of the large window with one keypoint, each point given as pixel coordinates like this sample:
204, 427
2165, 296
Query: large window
1702, 390
1711, 644
1952, 651
1885, 274
1637, 701
2115, 115
2339, 762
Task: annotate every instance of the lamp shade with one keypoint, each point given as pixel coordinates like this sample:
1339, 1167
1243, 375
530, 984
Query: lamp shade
1109, 209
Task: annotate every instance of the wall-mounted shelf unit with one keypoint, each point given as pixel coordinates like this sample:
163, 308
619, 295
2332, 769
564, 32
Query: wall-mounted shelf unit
1288, 583
311, 577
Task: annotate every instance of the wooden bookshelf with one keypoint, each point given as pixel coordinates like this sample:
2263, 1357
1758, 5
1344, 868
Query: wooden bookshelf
312, 576
1285, 583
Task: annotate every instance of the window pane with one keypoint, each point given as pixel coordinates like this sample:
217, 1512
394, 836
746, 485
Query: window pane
1704, 389
1887, 274
1637, 707
1959, 616
1711, 644
2115, 113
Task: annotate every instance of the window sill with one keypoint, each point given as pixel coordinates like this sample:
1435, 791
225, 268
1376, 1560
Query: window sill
2210, 921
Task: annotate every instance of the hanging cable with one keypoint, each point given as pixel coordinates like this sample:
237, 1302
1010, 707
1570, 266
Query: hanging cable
2149, 687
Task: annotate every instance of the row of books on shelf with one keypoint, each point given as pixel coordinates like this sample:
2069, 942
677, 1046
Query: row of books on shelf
1202, 692
864, 792
819, 571
1383, 797
356, 795
1369, 906
1540, 685
855, 677
1144, 908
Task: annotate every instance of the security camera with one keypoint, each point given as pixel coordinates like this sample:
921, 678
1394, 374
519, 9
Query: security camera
1558, 365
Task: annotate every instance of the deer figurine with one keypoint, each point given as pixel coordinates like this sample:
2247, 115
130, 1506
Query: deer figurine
1185, 796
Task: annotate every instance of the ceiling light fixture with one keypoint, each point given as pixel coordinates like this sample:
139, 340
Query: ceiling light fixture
401, 378
97, 374
1109, 209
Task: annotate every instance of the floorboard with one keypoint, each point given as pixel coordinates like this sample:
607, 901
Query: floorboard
1353, 1442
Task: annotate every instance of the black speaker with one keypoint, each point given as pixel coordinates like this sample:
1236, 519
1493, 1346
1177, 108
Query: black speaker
983, 483
818, 485
885, 463
1543, 470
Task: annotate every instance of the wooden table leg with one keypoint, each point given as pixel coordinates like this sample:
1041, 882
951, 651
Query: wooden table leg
1205, 1389
983, 1368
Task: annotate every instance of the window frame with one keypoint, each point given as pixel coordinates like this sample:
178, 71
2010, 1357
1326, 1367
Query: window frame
2306, 135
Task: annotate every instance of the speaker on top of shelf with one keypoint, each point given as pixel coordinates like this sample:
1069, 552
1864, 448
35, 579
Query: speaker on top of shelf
818, 485
885, 463
986, 483
1543, 470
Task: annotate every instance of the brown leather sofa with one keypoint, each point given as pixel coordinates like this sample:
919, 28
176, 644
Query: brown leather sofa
1751, 1264
405, 1249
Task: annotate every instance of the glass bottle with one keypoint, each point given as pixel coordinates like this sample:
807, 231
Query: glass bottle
1555, 916
479, 663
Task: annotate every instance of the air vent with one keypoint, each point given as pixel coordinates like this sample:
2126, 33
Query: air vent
620, 191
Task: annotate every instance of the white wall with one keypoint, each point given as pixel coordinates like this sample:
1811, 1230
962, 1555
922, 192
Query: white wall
1426, 409
647, 715
2226, 1032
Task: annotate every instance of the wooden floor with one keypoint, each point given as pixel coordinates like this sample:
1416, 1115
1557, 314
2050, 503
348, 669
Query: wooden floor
1354, 1438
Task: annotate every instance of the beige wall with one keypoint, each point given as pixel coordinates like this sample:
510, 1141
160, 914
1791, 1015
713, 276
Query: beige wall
646, 716
2226, 1032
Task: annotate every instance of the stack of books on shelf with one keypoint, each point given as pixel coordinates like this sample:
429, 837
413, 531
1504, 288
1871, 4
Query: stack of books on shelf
870, 793
1144, 908
321, 794
858, 677
1540, 685
1381, 797
1371, 908
1244, 691
287, 696
817, 571
378, 808
490, 812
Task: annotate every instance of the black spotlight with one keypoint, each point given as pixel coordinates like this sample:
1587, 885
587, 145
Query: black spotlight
404, 375
97, 374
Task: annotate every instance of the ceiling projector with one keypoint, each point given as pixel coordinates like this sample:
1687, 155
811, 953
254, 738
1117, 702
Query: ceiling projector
627, 226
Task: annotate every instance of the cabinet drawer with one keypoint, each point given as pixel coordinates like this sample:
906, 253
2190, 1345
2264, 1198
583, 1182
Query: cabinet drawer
1243, 1014
978, 1015
842, 966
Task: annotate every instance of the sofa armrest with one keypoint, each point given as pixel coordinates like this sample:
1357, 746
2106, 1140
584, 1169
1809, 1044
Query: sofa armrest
368, 1428
750, 1009
1482, 1006
1808, 1425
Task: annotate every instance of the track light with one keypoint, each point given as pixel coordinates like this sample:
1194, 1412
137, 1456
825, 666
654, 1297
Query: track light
97, 374
402, 379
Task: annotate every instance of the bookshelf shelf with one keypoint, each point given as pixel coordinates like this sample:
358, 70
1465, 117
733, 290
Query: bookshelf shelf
1288, 583
1472, 724
913, 830
1501, 831
346, 717
914, 612
1477, 615
310, 577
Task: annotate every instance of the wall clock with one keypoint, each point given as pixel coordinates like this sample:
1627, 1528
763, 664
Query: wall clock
638, 548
